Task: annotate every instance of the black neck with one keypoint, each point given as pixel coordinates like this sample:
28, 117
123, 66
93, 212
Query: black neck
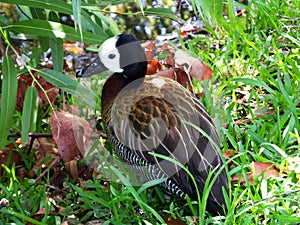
133, 59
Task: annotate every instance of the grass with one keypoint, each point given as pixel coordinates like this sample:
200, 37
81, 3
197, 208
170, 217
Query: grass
256, 56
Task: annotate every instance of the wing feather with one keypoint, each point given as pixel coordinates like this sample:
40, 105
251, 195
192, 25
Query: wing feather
162, 117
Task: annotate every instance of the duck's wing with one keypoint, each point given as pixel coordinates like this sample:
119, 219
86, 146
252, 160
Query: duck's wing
161, 117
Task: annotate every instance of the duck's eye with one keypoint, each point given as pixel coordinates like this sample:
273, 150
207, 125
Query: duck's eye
111, 56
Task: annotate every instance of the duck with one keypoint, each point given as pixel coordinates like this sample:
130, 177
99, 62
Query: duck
157, 127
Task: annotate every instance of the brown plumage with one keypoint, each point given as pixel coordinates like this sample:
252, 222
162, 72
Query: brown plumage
145, 114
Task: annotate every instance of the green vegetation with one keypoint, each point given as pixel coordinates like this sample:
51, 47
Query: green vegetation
254, 96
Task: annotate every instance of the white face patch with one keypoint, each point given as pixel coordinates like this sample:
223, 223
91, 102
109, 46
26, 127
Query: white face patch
110, 56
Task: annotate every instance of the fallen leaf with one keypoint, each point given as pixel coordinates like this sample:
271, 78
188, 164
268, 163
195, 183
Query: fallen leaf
150, 49
172, 221
192, 66
42, 211
258, 168
264, 167
194, 220
45, 153
228, 154
71, 168
74, 48
25, 81
200, 71
153, 67
177, 65
71, 133
178, 75
85, 172
169, 56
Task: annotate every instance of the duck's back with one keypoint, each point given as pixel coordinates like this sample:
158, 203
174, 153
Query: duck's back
161, 116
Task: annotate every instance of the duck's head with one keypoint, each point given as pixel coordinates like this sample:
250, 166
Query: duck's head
120, 54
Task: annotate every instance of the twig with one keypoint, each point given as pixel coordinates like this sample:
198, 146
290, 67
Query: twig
32, 135
278, 195
40, 135
287, 17
249, 120
44, 172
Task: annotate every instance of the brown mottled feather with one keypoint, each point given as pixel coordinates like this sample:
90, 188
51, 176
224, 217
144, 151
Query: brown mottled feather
144, 115
156, 116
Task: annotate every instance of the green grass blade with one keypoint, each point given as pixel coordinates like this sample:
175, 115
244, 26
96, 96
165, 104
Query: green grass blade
57, 53
51, 29
149, 184
91, 196
210, 180
109, 25
230, 138
217, 11
4, 21
58, 79
76, 5
21, 216
8, 97
162, 12
29, 114
284, 88
255, 82
140, 3
202, 7
285, 219
135, 194
52, 5
69, 85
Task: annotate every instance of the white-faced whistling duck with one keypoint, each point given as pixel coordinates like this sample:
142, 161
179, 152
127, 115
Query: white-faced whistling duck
149, 114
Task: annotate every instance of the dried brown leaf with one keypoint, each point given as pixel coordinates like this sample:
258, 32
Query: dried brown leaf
42, 211
45, 153
258, 168
71, 168
74, 48
26, 81
264, 167
153, 67
200, 71
150, 49
228, 154
71, 133
192, 66
169, 61
172, 221
178, 75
